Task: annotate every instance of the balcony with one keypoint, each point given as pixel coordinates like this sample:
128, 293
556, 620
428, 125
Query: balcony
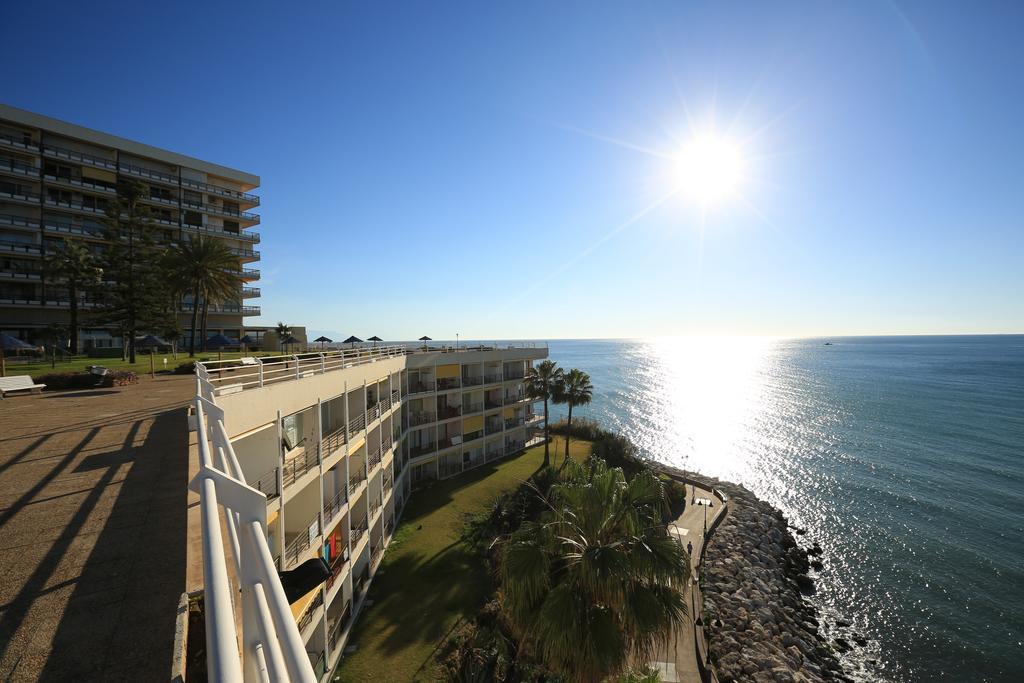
357, 424
493, 426
446, 383
95, 209
515, 398
220, 232
334, 506
297, 466
374, 508
493, 378
218, 210
20, 195
513, 375
267, 484
21, 142
332, 442
449, 412
493, 403
449, 441
417, 451
250, 292
19, 248
356, 480
300, 542
79, 157
18, 168
9, 220
473, 436
422, 418
421, 387
224, 308
340, 625
221, 191
375, 457
472, 381
81, 183
21, 275
358, 531
470, 408
307, 616
65, 228
514, 422
149, 174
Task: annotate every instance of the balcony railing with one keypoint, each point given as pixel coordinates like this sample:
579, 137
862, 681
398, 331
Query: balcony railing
468, 381
256, 592
358, 531
421, 387
509, 376
20, 195
493, 378
515, 398
247, 235
355, 479
445, 383
18, 142
448, 412
417, 451
446, 441
307, 616
493, 403
357, 424
512, 423
17, 167
493, 426
334, 505
81, 157
218, 190
422, 418
149, 173
332, 442
92, 185
221, 211
301, 542
267, 484
20, 247
374, 507
375, 456
18, 221
340, 625
469, 408
473, 436
299, 465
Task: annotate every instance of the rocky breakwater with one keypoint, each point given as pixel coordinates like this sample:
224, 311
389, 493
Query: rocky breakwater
760, 626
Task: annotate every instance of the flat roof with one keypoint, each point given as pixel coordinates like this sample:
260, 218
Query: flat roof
34, 120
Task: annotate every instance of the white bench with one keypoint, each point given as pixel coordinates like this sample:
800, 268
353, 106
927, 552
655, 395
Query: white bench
18, 383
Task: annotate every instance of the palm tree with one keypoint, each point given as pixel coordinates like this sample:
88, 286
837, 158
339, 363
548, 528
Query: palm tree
283, 331
575, 389
596, 582
76, 266
540, 384
207, 268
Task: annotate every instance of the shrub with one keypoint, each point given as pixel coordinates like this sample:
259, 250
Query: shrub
57, 381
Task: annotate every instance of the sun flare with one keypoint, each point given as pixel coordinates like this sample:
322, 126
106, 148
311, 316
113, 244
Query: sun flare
708, 169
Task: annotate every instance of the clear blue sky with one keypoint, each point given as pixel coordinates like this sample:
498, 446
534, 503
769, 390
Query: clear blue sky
433, 168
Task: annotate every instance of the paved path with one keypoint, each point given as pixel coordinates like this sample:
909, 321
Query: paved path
678, 661
92, 531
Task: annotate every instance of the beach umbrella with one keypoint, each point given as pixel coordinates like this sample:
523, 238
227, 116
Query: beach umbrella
353, 340
289, 340
322, 340
375, 339
219, 341
150, 341
425, 339
9, 343
247, 341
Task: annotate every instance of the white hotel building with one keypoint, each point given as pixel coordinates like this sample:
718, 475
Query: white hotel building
316, 455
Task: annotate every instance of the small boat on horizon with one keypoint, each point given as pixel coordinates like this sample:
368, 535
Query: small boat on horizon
828, 343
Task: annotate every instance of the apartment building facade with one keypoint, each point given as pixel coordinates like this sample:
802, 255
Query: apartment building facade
335, 444
56, 181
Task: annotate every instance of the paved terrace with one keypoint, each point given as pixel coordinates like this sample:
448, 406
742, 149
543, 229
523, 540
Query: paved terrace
93, 488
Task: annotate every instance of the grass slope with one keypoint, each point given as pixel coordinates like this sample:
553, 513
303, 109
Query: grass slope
428, 581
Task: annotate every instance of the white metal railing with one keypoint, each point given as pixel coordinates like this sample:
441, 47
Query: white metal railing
239, 374
272, 647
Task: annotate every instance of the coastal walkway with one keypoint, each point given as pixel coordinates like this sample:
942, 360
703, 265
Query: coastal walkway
677, 662
93, 487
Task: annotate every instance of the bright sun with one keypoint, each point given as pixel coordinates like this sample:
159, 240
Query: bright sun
708, 169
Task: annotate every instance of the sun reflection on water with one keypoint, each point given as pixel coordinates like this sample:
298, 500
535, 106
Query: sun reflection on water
710, 390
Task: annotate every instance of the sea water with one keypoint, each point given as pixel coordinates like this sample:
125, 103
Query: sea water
902, 456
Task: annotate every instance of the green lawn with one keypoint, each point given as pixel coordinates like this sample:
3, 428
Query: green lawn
79, 363
429, 582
